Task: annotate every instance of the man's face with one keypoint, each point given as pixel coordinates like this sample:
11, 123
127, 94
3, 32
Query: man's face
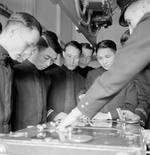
27, 53
105, 57
85, 57
22, 38
45, 58
71, 57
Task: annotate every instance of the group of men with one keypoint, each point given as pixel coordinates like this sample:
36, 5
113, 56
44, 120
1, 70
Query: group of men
22, 38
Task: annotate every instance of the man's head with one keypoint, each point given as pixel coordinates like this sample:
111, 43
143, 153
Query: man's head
105, 52
21, 31
86, 55
132, 11
72, 54
46, 51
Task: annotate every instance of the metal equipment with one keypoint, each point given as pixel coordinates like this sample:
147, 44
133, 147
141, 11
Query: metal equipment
94, 138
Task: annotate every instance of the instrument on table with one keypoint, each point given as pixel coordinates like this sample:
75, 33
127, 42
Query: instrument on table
93, 138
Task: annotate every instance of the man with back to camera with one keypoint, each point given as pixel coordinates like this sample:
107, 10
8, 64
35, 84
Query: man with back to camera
22, 30
132, 59
131, 98
142, 84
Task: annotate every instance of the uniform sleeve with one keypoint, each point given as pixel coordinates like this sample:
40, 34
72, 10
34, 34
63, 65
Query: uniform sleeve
143, 88
92, 76
130, 61
89, 80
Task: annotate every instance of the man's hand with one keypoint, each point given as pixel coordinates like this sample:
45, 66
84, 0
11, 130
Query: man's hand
60, 116
70, 119
130, 115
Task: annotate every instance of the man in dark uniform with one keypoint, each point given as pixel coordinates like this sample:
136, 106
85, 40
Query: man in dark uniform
66, 83
22, 30
132, 59
32, 83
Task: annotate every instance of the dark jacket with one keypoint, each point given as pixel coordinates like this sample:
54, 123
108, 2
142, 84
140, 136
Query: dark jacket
143, 88
83, 71
57, 96
131, 59
31, 87
6, 75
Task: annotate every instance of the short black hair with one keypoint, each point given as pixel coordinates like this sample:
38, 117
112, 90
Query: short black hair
52, 41
74, 44
26, 19
88, 46
107, 44
49, 39
42, 44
